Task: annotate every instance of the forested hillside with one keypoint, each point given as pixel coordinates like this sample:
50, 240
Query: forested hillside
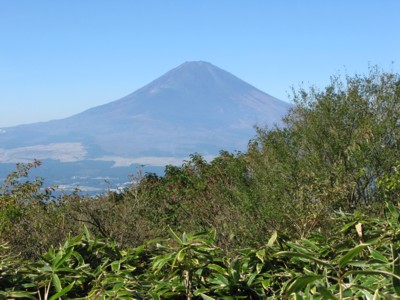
309, 211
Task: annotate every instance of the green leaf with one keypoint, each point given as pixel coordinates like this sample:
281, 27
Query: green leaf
266, 283
344, 260
367, 294
325, 293
76, 239
62, 292
396, 269
181, 255
379, 256
64, 258
251, 279
56, 259
17, 294
79, 258
300, 283
184, 238
57, 283
118, 286
359, 264
154, 295
115, 266
372, 272
303, 255
297, 247
200, 291
205, 297
217, 268
159, 263
212, 236
220, 280
272, 239
86, 232
260, 254
393, 211
348, 225
175, 236
245, 266
310, 244
259, 267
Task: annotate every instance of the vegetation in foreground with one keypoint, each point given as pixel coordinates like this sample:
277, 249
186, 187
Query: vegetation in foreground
308, 211
361, 261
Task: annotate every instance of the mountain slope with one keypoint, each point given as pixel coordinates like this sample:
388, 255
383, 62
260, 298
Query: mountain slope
195, 107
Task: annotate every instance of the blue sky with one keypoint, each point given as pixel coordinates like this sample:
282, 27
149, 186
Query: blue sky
58, 58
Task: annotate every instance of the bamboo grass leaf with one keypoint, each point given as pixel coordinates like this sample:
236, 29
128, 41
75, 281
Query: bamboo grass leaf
300, 283
220, 280
303, 255
218, 269
393, 211
181, 255
79, 258
64, 258
154, 295
57, 283
175, 236
396, 270
18, 294
372, 272
266, 283
115, 266
251, 279
86, 233
62, 292
348, 225
205, 297
260, 255
200, 291
378, 255
346, 258
325, 293
272, 239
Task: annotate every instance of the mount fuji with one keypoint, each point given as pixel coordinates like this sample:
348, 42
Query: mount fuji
194, 108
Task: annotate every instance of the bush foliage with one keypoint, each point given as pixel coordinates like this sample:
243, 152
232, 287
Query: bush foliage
360, 261
309, 209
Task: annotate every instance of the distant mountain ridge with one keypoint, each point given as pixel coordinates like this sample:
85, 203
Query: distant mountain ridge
194, 108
